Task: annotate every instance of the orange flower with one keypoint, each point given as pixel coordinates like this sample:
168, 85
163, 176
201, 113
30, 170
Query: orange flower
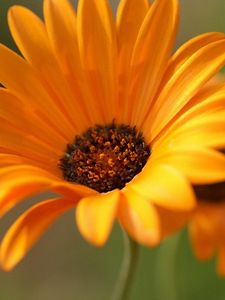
157, 127
207, 224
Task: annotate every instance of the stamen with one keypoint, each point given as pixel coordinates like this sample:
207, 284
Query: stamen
105, 157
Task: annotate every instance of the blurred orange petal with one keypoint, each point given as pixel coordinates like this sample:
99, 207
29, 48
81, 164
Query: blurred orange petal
95, 216
139, 217
28, 228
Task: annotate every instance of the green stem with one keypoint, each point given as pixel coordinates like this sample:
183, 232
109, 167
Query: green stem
165, 272
128, 268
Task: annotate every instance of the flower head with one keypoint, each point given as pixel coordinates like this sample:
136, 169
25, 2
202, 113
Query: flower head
207, 226
99, 112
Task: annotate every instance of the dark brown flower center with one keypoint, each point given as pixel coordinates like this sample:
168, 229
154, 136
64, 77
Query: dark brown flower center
211, 193
105, 157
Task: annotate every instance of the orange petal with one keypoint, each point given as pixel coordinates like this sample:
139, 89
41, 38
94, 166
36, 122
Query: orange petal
97, 41
60, 19
23, 117
61, 26
171, 221
28, 228
187, 50
202, 131
130, 15
17, 75
221, 260
139, 218
12, 160
209, 99
95, 216
9, 159
182, 87
150, 55
34, 44
20, 181
200, 165
164, 186
202, 241
15, 141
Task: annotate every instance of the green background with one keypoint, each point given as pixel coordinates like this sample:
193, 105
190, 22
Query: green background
63, 266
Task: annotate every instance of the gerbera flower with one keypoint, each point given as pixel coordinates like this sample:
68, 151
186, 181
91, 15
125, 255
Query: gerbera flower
207, 226
99, 112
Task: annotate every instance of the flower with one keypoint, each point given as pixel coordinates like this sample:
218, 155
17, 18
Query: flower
207, 226
99, 112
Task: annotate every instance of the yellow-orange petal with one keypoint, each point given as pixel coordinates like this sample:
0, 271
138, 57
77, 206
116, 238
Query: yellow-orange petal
130, 15
150, 56
23, 117
165, 186
60, 20
9, 159
209, 99
202, 240
202, 131
18, 76
200, 165
19, 142
12, 160
139, 217
62, 34
221, 260
34, 44
181, 87
20, 181
28, 228
95, 216
98, 48
187, 50
171, 221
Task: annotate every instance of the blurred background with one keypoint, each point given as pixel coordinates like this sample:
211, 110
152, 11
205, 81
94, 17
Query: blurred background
63, 266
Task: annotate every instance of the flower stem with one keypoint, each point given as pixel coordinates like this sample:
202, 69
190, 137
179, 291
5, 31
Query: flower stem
166, 284
128, 268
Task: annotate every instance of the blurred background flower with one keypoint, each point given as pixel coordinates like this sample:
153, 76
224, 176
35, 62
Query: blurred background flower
62, 265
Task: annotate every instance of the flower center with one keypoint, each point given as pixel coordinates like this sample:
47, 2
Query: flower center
105, 157
210, 193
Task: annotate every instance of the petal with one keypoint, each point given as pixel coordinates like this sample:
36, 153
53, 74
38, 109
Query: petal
208, 100
164, 186
171, 221
60, 19
95, 216
15, 141
61, 26
139, 217
130, 15
12, 160
97, 41
150, 55
200, 165
34, 44
17, 75
187, 50
221, 260
203, 131
28, 228
23, 117
20, 181
202, 241
184, 84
